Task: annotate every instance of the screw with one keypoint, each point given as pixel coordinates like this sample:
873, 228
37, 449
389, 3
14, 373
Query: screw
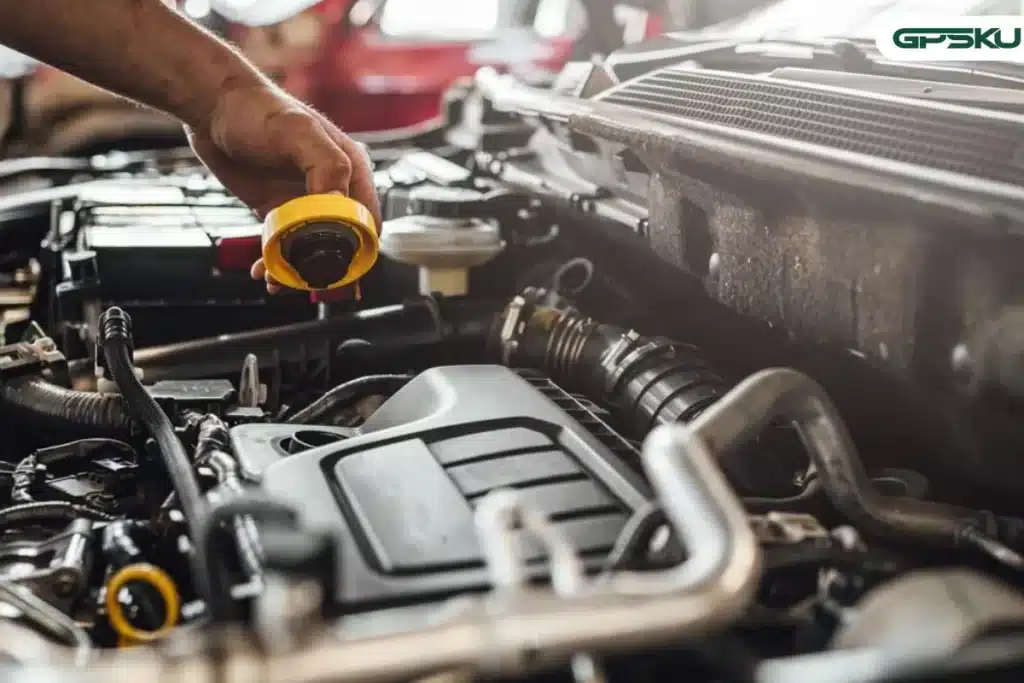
64, 584
714, 264
961, 358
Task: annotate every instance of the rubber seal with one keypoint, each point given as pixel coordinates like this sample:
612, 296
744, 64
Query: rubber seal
314, 212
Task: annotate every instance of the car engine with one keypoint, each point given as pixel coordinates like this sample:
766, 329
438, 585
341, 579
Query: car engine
648, 381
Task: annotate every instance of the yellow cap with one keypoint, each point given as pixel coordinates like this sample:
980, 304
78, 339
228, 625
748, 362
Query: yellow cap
319, 242
157, 579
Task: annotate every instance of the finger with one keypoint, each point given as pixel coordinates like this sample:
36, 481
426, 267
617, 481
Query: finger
362, 187
259, 272
325, 164
273, 287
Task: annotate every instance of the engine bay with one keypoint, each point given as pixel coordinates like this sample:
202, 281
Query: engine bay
641, 384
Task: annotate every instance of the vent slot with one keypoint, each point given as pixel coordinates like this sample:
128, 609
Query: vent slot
913, 133
585, 415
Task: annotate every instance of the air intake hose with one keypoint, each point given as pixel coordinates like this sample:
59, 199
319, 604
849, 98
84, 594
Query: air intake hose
65, 413
646, 381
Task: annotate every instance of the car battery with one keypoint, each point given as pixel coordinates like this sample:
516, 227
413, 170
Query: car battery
150, 245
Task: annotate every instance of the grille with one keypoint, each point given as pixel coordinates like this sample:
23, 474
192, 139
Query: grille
899, 131
586, 415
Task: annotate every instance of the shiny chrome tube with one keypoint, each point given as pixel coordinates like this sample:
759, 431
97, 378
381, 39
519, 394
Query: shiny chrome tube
783, 394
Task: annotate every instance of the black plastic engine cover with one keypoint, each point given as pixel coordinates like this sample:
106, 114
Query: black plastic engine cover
401, 493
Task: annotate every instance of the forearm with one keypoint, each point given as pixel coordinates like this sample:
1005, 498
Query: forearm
139, 49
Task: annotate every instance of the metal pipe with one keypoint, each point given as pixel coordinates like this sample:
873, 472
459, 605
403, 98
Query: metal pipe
49, 619
771, 395
499, 515
515, 633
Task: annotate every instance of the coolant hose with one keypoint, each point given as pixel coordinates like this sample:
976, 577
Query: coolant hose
116, 340
64, 412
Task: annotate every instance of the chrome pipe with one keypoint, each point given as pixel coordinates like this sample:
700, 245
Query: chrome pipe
783, 394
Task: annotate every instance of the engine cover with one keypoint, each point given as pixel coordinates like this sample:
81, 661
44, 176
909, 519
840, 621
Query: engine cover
401, 492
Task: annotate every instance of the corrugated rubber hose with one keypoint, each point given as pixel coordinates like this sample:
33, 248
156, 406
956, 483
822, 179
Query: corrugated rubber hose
65, 412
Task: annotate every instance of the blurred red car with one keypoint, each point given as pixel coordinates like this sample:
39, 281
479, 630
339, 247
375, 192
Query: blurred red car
371, 65
384, 64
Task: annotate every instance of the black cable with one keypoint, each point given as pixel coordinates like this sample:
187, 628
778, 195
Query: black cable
116, 334
347, 394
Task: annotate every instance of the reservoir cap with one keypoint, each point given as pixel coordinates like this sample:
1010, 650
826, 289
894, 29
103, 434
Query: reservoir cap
319, 242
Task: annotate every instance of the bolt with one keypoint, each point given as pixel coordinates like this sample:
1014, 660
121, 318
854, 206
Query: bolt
64, 584
714, 264
961, 358
45, 344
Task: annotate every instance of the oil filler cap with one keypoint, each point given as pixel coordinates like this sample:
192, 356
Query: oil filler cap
320, 242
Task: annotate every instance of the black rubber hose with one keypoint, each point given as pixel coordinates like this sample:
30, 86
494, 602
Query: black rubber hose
116, 336
47, 512
60, 413
645, 381
345, 395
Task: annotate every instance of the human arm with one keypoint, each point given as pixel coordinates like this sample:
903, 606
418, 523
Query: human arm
139, 49
264, 145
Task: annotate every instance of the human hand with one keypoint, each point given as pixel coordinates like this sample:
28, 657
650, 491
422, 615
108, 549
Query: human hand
267, 148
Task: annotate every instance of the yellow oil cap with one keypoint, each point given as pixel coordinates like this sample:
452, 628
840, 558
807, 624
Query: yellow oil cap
319, 242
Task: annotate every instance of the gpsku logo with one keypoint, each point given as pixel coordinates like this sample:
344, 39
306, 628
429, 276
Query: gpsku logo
956, 39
